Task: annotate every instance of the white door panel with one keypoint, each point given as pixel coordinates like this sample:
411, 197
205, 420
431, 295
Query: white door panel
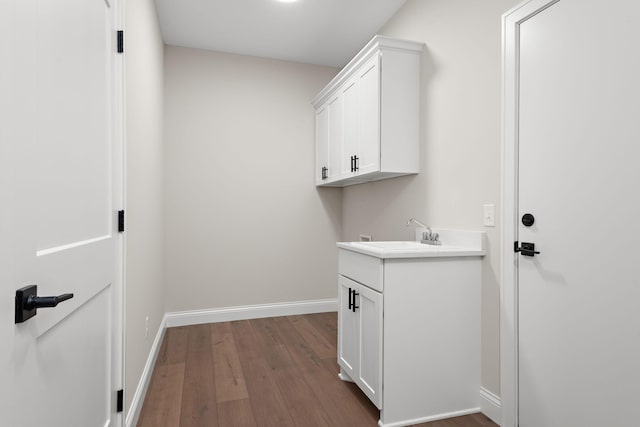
71, 130
73, 270
47, 367
579, 339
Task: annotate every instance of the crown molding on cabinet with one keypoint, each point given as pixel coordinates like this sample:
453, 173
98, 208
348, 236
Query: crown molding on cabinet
377, 43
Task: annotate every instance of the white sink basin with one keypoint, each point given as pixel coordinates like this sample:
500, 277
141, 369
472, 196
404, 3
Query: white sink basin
402, 246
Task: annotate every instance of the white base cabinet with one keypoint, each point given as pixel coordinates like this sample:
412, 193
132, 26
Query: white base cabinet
412, 341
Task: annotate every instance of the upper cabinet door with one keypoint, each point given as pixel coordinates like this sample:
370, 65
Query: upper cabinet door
322, 144
335, 137
368, 118
349, 95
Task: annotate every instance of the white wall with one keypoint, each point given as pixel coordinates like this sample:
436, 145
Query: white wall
460, 143
144, 52
244, 221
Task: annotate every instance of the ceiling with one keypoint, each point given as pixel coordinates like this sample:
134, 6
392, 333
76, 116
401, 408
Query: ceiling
322, 32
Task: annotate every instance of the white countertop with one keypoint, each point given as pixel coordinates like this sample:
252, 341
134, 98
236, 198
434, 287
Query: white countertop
408, 250
455, 243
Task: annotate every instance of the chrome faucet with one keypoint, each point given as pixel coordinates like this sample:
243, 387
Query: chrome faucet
428, 237
419, 224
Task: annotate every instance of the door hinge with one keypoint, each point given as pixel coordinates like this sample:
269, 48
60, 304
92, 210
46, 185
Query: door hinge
120, 41
120, 401
120, 221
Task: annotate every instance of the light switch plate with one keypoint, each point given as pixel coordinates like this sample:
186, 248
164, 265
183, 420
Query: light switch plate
490, 215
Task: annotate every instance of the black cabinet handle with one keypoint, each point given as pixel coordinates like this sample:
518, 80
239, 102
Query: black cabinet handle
356, 163
350, 303
351, 163
28, 302
354, 306
324, 172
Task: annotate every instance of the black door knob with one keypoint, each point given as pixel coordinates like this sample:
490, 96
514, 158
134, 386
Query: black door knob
28, 302
528, 220
45, 302
527, 249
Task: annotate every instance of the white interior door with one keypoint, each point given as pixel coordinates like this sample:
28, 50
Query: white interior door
579, 146
60, 189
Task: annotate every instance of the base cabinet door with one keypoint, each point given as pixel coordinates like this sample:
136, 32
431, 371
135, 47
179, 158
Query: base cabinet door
348, 328
369, 310
360, 337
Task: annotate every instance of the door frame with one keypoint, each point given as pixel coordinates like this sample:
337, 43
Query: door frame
119, 200
511, 22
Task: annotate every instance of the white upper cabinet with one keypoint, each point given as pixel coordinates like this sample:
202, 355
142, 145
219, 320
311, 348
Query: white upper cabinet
371, 131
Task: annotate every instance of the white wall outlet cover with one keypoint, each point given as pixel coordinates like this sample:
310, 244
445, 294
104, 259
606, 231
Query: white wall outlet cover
489, 217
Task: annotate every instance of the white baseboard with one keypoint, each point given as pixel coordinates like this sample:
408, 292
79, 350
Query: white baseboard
141, 391
490, 405
429, 419
227, 314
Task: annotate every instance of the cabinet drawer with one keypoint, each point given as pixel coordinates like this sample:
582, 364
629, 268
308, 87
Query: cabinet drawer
361, 268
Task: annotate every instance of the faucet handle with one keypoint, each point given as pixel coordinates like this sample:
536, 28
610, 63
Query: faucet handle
430, 238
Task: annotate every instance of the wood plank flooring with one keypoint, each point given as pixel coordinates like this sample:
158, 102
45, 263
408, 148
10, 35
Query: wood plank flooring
278, 372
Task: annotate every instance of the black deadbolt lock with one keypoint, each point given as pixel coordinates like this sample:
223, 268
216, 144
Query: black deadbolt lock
528, 220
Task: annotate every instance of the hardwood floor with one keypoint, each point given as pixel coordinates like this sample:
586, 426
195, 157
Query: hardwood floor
279, 372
